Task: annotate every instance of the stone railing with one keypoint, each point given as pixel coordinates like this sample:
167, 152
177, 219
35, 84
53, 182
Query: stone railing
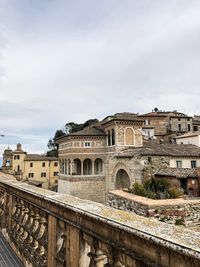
50, 229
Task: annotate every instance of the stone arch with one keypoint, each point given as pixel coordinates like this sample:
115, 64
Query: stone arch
87, 167
122, 179
77, 166
98, 166
129, 137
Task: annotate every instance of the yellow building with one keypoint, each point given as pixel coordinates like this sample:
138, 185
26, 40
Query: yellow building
36, 169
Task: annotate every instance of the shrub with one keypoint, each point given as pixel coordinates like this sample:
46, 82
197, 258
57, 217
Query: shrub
140, 190
175, 193
155, 189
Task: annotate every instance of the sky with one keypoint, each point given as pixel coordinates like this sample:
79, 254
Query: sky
63, 60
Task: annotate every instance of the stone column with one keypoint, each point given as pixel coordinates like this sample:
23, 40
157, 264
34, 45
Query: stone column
64, 166
73, 247
82, 167
52, 242
66, 170
92, 167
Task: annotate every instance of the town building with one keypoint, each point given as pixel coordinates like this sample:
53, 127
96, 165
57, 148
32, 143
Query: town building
39, 170
87, 168
192, 138
196, 123
179, 164
112, 155
165, 124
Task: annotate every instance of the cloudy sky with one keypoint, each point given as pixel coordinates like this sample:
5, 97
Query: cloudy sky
71, 60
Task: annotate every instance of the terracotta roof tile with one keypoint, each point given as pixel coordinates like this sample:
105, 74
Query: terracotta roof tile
154, 149
178, 172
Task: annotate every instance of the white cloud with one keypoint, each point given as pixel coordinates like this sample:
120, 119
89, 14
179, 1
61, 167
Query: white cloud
70, 61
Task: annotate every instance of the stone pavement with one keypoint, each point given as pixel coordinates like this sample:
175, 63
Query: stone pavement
7, 256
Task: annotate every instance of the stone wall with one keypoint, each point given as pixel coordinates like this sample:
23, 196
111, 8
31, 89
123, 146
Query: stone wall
91, 188
173, 211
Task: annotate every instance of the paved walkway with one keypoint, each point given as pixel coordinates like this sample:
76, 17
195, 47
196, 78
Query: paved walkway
7, 256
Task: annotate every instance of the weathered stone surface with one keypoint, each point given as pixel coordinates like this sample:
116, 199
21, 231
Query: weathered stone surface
173, 211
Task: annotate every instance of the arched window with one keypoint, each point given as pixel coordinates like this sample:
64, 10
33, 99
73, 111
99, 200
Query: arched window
87, 167
77, 167
129, 137
108, 136
98, 166
113, 137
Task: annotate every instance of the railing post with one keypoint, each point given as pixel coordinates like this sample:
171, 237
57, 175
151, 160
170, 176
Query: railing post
10, 205
73, 247
52, 242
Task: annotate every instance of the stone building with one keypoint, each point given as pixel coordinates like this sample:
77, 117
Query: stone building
166, 124
112, 155
196, 123
37, 169
88, 168
177, 163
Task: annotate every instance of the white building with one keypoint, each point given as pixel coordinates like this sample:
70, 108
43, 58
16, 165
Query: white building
192, 138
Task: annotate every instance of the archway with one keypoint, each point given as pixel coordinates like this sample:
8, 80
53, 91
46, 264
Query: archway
122, 179
77, 166
98, 166
87, 167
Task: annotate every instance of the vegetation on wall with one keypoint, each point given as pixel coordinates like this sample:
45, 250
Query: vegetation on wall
155, 189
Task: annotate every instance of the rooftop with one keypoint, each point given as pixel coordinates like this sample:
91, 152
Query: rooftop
178, 172
159, 113
89, 131
37, 157
189, 134
154, 149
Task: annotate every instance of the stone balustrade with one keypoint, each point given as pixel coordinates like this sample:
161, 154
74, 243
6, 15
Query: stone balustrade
50, 229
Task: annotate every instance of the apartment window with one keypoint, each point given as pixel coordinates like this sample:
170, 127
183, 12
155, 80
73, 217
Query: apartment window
55, 164
43, 174
87, 144
179, 127
195, 128
178, 164
17, 157
189, 128
31, 164
193, 164
147, 122
31, 175
55, 174
43, 164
